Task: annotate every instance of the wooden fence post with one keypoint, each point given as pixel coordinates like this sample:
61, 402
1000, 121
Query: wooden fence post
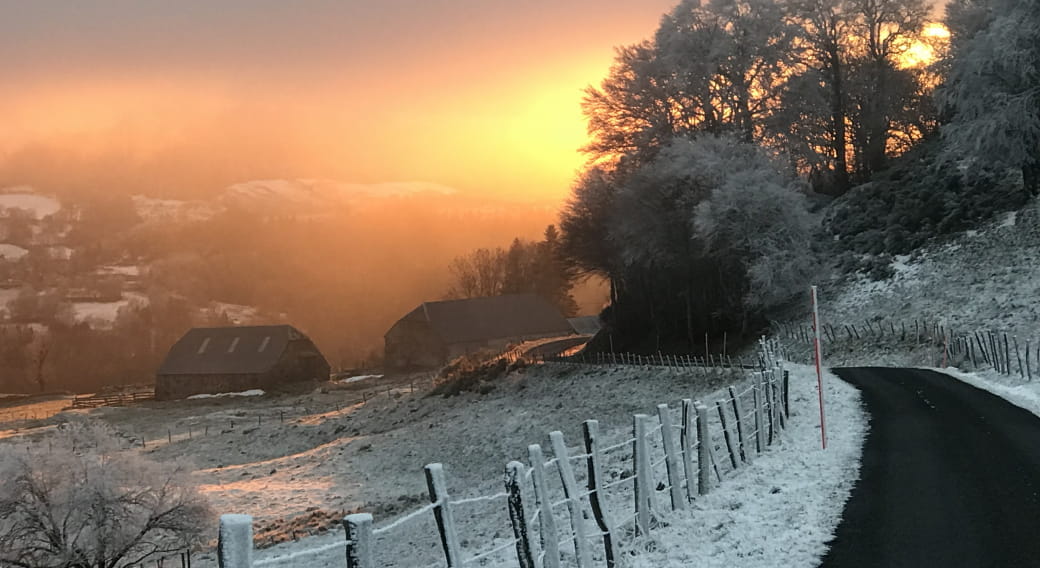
730, 446
442, 513
787, 395
738, 415
704, 464
671, 457
686, 441
570, 493
235, 542
590, 432
515, 473
1029, 369
547, 521
359, 540
643, 484
1018, 355
1007, 356
760, 426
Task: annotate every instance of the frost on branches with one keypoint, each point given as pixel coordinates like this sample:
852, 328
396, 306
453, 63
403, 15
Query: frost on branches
82, 502
993, 90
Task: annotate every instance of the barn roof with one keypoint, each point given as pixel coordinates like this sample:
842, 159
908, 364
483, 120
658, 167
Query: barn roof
228, 350
478, 319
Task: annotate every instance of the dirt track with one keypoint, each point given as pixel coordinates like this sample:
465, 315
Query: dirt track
950, 477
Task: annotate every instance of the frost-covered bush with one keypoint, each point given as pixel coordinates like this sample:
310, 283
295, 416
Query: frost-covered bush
919, 198
82, 502
757, 217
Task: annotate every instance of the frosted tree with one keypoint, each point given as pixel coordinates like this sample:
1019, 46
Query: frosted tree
993, 93
713, 222
758, 219
84, 503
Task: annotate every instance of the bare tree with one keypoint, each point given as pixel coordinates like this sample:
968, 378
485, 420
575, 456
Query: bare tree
85, 503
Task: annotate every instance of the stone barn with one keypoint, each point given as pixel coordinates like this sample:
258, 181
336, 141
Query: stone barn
234, 359
436, 332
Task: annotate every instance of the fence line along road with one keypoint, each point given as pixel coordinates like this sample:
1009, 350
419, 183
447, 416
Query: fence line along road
576, 508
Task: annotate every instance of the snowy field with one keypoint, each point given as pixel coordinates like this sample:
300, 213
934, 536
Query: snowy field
298, 463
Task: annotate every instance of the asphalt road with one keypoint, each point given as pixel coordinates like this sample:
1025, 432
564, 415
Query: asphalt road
950, 477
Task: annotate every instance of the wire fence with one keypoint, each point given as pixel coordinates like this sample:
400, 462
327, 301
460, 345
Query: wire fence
1000, 350
581, 507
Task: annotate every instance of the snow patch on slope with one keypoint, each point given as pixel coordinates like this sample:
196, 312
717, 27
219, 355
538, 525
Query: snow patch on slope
24, 198
12, 252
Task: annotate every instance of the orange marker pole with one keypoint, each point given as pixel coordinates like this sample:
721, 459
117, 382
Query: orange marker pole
819, 365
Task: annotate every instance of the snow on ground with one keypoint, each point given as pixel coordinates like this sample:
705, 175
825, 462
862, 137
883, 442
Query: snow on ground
990, 280
23, 198
7, 295
152, 209
121, 270
358, 378
12, 252
782, 510
1017, 391
250, 392
237, 314
103, 315
334, 458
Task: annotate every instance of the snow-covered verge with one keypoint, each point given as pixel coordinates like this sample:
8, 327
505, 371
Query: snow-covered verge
782, 510
1025, 394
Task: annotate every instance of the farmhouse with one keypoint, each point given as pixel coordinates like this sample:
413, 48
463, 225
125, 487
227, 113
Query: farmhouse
234, 359
436, 332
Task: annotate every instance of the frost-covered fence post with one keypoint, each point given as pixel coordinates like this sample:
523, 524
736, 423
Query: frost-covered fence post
671, 457
570, 493
590, 431
359, 540
704, 464
547, 522
1029, 368
1007, 356
442, 513
1018, 355
738, 413
515, 473
235, 542
787, 393
686, 440
730, 446
641, 466
760, 426
774, 402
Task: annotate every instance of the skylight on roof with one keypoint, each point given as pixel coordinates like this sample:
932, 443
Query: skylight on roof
205, 344
234, 344
263, 344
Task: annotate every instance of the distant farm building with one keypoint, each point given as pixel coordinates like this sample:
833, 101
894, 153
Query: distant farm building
234, 359
436, 332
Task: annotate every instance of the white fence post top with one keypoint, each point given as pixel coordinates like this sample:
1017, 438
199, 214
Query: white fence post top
232, 520
358, 518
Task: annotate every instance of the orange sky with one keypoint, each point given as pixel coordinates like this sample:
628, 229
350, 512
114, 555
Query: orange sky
481, 95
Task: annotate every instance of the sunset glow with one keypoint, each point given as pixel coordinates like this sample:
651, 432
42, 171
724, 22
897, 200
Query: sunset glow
920, 53
478, 97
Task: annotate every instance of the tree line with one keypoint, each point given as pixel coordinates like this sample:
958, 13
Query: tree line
711, 142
